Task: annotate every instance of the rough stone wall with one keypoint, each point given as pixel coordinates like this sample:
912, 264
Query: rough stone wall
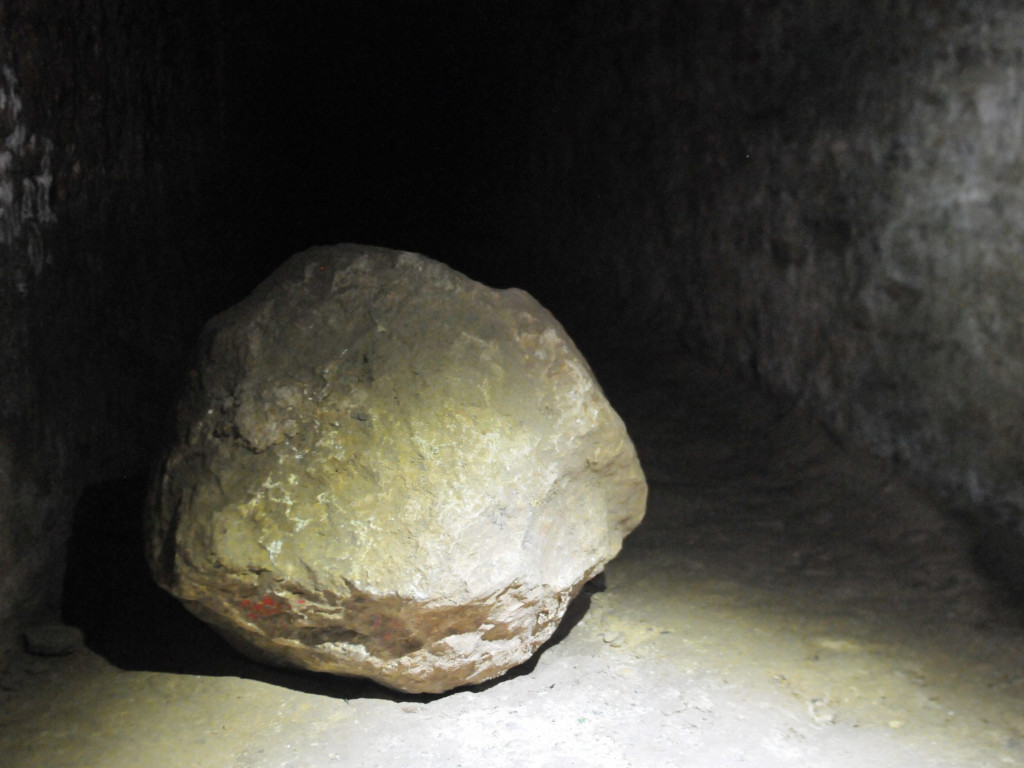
868, 253
100, 189
824, 195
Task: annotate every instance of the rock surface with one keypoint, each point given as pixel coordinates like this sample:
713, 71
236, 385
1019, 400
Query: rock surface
860, 254
53, 640
389, 470
85, 255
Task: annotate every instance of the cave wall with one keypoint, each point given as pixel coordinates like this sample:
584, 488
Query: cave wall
825, 197
107, 115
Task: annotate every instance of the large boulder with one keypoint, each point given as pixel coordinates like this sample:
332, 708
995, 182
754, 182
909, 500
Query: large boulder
386, 469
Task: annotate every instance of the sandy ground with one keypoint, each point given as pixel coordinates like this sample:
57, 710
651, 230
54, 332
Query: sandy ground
785, 603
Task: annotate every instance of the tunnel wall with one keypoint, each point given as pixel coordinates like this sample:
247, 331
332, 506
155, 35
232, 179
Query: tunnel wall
100, 178
823, 196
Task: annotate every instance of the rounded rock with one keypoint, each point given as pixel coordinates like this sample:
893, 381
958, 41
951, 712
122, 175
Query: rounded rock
386, 469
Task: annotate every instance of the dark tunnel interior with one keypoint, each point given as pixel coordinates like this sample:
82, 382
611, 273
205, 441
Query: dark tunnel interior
403, 125
812, 208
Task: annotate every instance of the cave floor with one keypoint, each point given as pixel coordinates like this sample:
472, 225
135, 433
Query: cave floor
785, 603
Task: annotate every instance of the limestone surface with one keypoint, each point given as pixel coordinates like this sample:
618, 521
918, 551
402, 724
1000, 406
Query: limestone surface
53, 639
386, 469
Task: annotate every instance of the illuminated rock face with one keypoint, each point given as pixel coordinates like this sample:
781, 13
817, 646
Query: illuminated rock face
386, 469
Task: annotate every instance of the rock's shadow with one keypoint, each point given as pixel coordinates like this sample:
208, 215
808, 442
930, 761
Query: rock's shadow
136, 626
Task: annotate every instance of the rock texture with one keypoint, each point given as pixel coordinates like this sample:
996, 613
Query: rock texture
389, 470
53, 640
838, 210
105, 149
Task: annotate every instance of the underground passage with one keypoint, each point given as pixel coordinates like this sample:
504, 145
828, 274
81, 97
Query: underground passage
755, 428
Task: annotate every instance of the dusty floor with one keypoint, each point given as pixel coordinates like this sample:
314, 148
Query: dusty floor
785, 603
